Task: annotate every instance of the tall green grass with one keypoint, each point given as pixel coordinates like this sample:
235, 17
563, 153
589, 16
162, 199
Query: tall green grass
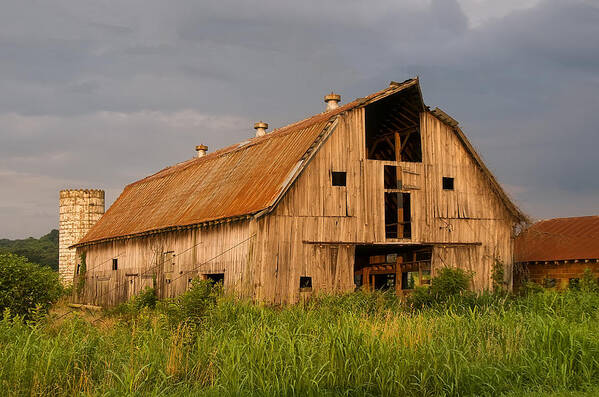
356, 344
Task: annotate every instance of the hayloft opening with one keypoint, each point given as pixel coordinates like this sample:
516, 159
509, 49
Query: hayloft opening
115, 264
393, 127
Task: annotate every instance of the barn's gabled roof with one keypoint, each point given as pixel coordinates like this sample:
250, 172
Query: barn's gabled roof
559, 239
237, 181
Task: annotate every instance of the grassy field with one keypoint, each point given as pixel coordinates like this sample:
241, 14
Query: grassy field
357, 344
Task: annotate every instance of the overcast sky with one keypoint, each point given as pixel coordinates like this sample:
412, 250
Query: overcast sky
97, 94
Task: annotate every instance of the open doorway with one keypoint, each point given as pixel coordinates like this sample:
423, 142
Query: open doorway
398, 267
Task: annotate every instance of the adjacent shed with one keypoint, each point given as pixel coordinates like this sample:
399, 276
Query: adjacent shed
555, 252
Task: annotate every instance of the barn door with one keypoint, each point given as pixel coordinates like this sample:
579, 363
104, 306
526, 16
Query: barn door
131, 285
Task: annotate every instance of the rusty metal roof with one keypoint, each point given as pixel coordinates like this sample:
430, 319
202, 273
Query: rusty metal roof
236, 181
559, 239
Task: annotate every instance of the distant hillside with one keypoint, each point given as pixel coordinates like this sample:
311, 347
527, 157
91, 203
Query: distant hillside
43, 251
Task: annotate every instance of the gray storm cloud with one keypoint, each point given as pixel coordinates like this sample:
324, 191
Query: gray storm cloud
98, 94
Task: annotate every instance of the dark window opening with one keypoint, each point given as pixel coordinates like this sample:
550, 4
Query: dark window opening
305, 283
383, 282
574, 283
391, 181
393, 127
391, 214
339, 178
407, 216
447, 183
115, 264
398, 215
215, 277
549, 282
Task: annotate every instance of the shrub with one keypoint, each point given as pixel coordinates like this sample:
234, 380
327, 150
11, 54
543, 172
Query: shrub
193, 305
588, 282
449, 282
530, 287
421, 297
146, 298
26, 287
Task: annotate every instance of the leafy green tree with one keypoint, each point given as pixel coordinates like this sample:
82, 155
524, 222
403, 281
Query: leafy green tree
43, 251
25, 286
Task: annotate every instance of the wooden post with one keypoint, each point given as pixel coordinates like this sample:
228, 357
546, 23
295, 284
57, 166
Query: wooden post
398, 272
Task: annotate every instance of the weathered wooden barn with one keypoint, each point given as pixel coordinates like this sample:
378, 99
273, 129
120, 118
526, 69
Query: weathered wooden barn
377, 193
555, 252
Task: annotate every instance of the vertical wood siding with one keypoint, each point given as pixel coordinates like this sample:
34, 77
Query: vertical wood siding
314, 229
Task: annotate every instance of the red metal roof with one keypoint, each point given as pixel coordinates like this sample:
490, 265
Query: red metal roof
238, 180
559, 239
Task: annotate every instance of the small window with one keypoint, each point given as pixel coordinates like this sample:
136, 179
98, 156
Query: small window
305, 283
447, 183
549, 282
115, 264
215, 278
574, 283
339, 178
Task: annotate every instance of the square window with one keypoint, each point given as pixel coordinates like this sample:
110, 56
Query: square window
339, 178
447, 183
305, 283
115, 264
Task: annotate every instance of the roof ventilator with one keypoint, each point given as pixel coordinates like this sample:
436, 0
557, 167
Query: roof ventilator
201, 150
332, 101
260, 128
